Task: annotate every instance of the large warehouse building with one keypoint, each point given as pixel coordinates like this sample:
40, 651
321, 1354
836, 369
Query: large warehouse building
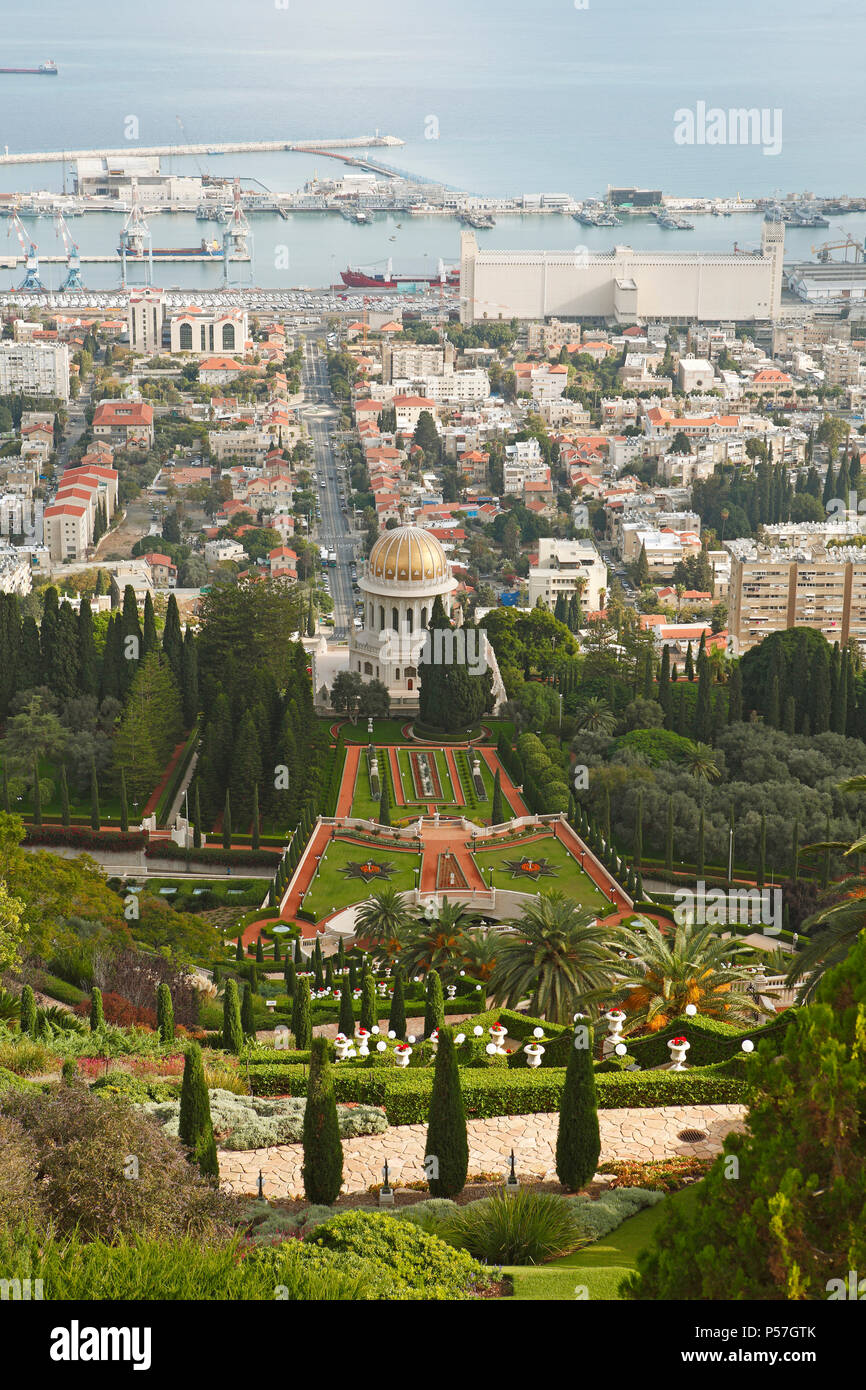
623, 285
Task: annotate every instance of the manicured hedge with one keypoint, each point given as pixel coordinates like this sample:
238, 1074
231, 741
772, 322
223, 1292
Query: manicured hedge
710, 1040
167, 849
79, 837
405, 1095
59, 989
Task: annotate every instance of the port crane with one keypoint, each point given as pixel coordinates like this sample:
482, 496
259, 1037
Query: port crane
237, 234
134, 233
31, 279
849, 244
72, 279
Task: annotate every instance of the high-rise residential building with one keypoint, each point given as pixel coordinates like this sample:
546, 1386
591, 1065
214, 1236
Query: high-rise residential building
34, 369
144, 319
565, 568
775, 588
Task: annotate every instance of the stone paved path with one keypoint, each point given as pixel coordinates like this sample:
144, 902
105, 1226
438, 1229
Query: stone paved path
625, 1134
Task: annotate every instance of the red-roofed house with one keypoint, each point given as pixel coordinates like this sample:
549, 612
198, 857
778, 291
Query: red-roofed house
124, 422
163, 571
67, 530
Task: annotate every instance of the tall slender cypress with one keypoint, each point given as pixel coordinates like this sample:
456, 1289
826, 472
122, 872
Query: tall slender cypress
165, 1014
124, 808
195, 1117
578, 1142
323, 1150
346, 1021
446, 1153
247, 1019
233, 1033
302, 1026
397, 1016
434, 1004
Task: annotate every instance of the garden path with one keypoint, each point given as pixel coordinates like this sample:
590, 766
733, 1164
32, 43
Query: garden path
641, 1134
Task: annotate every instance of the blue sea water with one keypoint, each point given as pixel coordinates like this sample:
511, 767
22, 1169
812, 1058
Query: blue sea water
527, 97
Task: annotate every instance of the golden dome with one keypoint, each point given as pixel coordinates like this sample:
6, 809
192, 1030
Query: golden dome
408, 554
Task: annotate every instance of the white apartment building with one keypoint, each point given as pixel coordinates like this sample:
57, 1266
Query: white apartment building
418, 360
215, 552
664, 548
564, 567
408, 410
16, 514
145, 317
34, 369
205, 332
459, 388
523, 463
67, 530
248, 446
552, 336
695, 374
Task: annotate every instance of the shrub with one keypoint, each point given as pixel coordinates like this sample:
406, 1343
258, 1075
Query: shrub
434, 1004
302, 1026
369, 1003
397, 1016
403, 1262
522, 1227
595, 1219
253, 1122
27, 1017
19, 1160
83, 1144
346, 1021
323, 1151
195, 1117
578, 1143
113, 1008
248, 1025
97, 1017
447, 1145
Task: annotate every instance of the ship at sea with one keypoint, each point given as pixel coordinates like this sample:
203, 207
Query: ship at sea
368, 278
48, 69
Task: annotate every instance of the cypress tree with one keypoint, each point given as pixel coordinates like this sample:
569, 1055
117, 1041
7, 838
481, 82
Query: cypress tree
664, 691
260, 950
124, 809
397, 1016
341, 955
762, 852
329, 973
447, 1144
95, 823
165, 1014
369, 1008
638, 832
277, 953
195, 1117
578, 1143
97, 1017
346, 1021
299, 955
323, 1151
27, 1014
434, 1004
172, 639
498, 813
206, 1153
227, 821
789, 715
690, 665
189, 679
735, 695
256, 835
239, 949
88, 661
149, 640
196, 833
302, 1026
290, 976
384, 804
233, 1033
353, 977
703, 720
247, 1020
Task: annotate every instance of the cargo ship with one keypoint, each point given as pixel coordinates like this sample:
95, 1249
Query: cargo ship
48, 69
368, 278
175, 253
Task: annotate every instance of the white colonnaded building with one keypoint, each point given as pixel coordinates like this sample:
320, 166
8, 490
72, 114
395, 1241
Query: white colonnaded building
623, 285
406, 572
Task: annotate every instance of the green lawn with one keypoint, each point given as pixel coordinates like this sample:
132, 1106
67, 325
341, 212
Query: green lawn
331, 889
569, 876
384, 730
364, 805
599, 1268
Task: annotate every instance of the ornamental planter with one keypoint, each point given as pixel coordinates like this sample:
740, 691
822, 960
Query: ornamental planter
402, 1054
534, 1053
343, 1046
434, 1041
678, 1048
499, 1034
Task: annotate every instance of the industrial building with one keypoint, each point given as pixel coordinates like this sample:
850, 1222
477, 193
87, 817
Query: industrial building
623, 285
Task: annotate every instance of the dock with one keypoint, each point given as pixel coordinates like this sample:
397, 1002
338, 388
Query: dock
355, 142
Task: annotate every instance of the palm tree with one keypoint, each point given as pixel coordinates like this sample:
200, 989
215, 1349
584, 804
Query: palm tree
700, 760
596, 716
557, 956
382, 920
666, 972
433, 941
479, 950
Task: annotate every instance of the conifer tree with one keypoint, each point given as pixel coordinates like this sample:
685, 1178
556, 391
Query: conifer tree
397, 1016
227, 822
149, 639
233, 1033
124, 808
260, 950
369, 1007
638, 832
446, 1153
172, 639
97, 1017
346, 1021
164, 1014
434, 1004
88, 661
384, 804
498, 813
290, 975
700, 863
95, 823
239, 949
762, 852
323, 1151
669, 837
195, 1118
196, 833
256, 833
690, 665
206, 1153
247, 1018
37, 795
578, 1143
735, 695
302, 1027
189, 686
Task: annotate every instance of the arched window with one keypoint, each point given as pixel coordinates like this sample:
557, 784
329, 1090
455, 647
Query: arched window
397, 674
395, 620
410, 619
368, 668
381, 618
372, 618
186, 337
423, 617
229, 336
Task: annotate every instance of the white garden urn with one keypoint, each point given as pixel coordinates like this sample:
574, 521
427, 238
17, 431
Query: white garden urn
402, 1054
499, 1034
534, 1053
364, 1040
342, 1045
434, 1040
678, 1048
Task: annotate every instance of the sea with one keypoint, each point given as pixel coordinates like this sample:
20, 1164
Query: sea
504, 97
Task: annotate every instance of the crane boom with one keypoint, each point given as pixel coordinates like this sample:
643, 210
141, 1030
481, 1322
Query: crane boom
31, 279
